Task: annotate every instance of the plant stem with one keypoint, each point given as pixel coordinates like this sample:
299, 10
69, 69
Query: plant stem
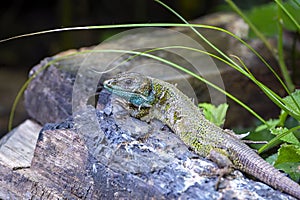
279, 3
280, 58
296, 2
252, 26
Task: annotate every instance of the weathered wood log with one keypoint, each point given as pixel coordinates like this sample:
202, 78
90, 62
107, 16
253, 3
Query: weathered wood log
16, 152
17, 147
119, 158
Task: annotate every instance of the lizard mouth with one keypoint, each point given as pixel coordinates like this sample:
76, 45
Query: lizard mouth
108, 84
111, 86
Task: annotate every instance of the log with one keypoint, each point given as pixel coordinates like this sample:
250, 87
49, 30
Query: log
17, 147
118, 158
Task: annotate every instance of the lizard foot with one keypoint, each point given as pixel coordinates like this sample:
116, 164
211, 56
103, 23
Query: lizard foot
223, 163
221, 173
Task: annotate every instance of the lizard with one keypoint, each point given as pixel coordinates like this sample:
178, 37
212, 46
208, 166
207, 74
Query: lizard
150, 98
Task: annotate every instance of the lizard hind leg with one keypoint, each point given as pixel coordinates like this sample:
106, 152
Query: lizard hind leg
223, 162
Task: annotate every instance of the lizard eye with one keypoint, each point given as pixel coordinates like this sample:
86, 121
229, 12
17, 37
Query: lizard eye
128, 82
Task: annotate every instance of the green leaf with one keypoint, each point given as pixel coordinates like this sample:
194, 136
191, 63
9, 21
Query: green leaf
289, 138
292, 169
277, 138
214, 114
265, 18
293, 9
268, 13
271, 123
293, 104
272, 159
288, 153
289, 160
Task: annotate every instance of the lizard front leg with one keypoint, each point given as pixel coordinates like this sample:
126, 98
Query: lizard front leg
141, 113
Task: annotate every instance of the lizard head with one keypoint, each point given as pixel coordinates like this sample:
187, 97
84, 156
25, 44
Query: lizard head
133, 87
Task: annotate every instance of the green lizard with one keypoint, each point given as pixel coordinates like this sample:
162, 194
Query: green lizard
152, 98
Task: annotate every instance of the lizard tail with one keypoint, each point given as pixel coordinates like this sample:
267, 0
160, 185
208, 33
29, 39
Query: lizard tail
276, 179
253, 164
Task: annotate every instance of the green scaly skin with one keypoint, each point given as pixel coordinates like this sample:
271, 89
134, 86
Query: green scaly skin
153, 98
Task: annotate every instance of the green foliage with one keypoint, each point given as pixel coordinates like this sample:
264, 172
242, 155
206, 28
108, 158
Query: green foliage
265, 18
272, 159
289, 138
288, 160
286, 132
214, 114
281, 14
272, 123
288, 153
288, 157
292, 103
278, 127
269, 20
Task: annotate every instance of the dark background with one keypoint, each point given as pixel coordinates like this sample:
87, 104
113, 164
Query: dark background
20, 17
